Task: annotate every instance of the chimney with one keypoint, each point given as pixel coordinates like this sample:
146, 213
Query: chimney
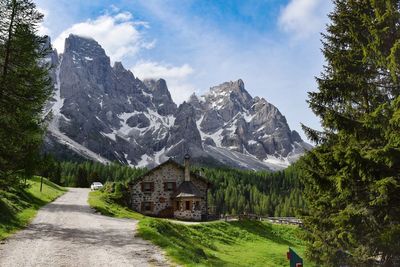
187, 169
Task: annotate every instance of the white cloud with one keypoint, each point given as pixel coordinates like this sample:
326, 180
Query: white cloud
123, 16
118, 34
150, 69
176, 77
114, 8
42, 28
304, 17
180, 91
264, 63
217, 56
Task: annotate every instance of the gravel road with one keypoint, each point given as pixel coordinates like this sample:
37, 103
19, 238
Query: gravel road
68, 233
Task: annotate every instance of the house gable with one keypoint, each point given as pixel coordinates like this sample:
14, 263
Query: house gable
154, 193
172, 164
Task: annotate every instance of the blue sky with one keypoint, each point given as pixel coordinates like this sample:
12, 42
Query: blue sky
273, 45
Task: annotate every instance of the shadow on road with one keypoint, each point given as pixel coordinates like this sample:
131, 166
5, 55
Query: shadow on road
89, 236
60, 207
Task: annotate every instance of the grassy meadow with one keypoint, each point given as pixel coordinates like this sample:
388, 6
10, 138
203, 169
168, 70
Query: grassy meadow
240, 243
99, 201
18, 208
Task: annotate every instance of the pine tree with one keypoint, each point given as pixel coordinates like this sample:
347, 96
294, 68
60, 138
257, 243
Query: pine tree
56, 177
352, 183
93, 177
24, 88
81, 177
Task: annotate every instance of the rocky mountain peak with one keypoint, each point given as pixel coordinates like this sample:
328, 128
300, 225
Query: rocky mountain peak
231, 96
159, 85
51, 59
84, 49
80, 43
296, 136
105, 113
118, 67
193, 98
195, 101
232, 87
228, 87
184, 135
161, 96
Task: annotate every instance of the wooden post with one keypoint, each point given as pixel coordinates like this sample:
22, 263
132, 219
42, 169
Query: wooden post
41, 183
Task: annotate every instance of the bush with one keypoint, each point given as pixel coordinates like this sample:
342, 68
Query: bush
117, 192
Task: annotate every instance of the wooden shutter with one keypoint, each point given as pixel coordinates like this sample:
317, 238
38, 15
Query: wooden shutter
142, 185
142, 208
165, 186
174, 186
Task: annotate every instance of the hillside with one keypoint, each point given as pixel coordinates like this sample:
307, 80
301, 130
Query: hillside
18, 208
240, 243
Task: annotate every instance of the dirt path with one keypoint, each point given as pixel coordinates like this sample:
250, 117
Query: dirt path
68, 233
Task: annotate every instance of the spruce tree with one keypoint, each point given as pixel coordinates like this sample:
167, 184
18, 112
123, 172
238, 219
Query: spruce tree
81, 178
24, 88
352, 177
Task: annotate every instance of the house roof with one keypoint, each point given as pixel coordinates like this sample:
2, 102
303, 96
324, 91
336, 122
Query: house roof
173, 162
187, 189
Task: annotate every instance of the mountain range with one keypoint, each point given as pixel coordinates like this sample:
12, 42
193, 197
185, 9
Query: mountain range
103, 112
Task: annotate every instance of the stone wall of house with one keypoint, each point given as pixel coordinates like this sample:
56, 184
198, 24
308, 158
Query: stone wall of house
188, 215
161, 199
194, 213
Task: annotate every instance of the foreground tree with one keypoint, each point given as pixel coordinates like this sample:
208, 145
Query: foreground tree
352, 178
24, 88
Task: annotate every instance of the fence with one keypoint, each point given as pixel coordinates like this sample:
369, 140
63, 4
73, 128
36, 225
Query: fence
255, 217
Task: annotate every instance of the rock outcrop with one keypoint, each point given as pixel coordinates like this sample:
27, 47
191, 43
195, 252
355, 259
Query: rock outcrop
105, 113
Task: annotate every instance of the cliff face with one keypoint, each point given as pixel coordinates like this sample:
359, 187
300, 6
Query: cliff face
105, 113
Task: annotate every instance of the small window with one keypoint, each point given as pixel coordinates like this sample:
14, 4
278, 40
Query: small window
187, 203
147, 206
147, 186
169, 186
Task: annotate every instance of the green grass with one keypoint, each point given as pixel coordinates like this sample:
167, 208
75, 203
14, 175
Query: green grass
19, 207
241, 243
99, 201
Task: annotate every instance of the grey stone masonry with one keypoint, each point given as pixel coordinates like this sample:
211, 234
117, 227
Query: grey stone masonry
154, 193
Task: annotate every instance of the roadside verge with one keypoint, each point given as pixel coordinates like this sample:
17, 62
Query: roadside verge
19, 207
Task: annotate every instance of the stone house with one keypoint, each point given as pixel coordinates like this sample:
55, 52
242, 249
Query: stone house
171, 190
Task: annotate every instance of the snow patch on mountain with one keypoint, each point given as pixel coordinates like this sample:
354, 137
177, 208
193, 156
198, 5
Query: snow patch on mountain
105, 113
